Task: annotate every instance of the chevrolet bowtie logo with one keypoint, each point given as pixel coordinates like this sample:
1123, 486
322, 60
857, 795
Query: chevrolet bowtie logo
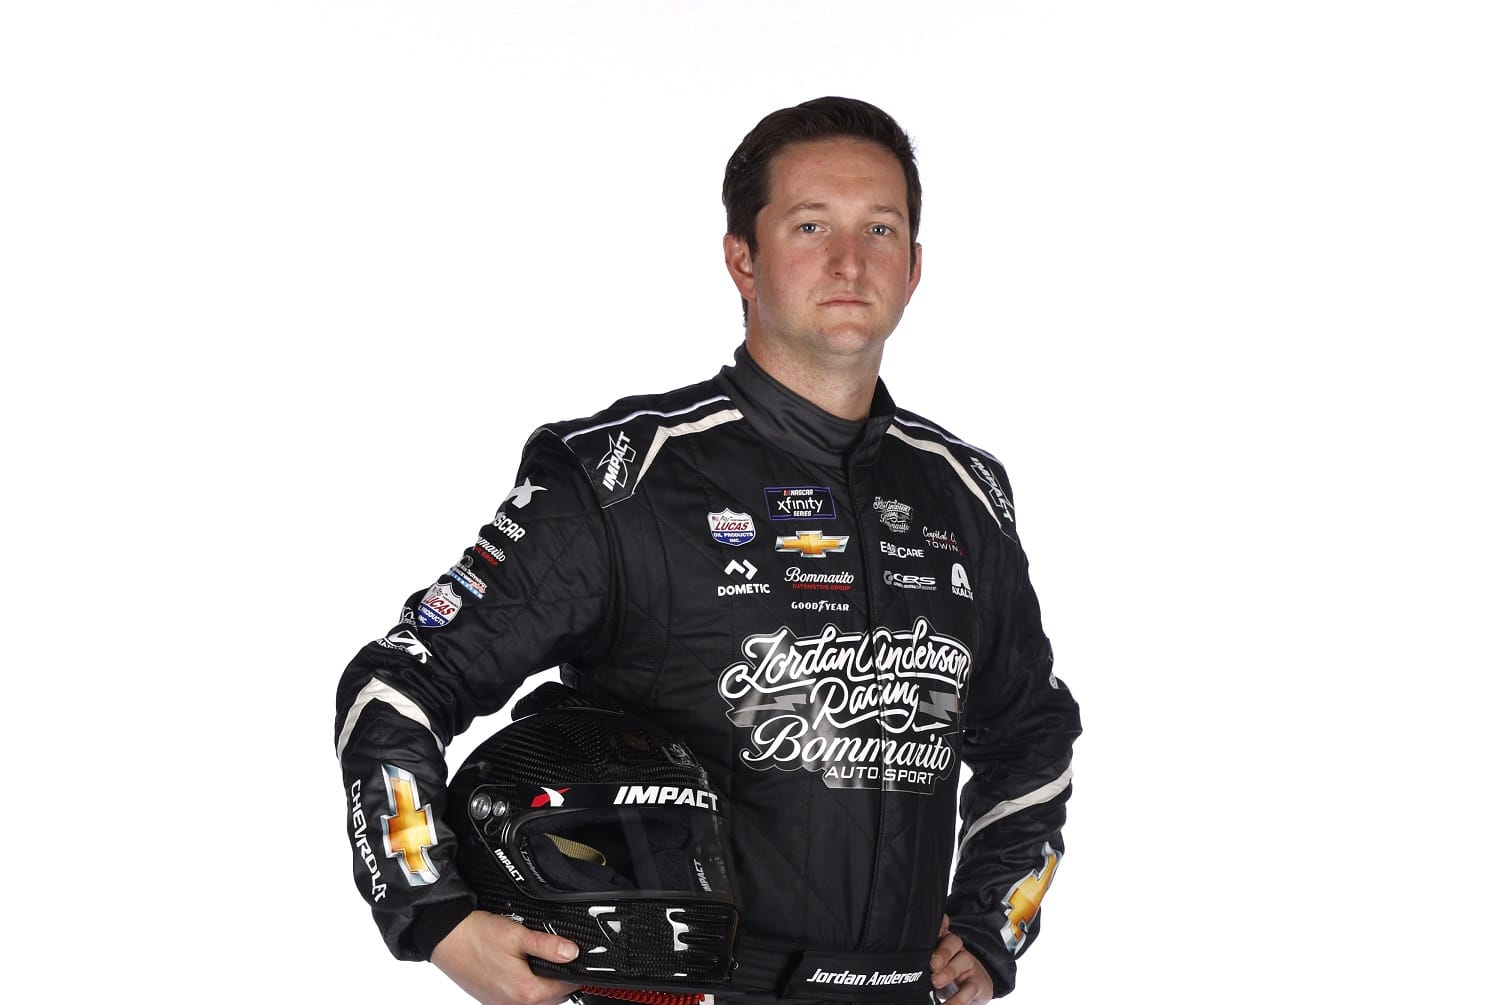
1024, 901
812, 543
409, 831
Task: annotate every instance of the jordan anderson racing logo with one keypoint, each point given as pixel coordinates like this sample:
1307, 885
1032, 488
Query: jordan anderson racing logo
865, 711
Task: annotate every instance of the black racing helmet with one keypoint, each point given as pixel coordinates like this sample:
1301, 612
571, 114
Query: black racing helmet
595, 825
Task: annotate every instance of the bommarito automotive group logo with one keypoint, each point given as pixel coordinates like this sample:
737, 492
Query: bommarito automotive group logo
866, 711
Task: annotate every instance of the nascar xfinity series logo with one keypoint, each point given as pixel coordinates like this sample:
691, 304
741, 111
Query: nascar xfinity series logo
864, 710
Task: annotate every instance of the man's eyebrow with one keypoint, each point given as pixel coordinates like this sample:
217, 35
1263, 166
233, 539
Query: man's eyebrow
880, 209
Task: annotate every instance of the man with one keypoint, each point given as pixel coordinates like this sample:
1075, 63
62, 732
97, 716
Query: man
821, 594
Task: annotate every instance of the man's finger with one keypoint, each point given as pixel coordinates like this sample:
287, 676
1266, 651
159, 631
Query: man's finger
552, 948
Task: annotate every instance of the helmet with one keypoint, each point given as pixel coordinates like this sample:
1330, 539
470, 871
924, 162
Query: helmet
595, 825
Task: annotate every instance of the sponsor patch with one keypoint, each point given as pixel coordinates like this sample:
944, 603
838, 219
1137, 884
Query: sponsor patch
839, 582
905, 582
800, 502
463, 575
731, 528
360, 828
616, 461
1024, 901
748, 570
992, 486
961, 582
865, 710
942, 540
505, 525
522, 493
894, 513
819, 605
812, 543
900, 550
439, 606
492, 554
408, 829
405, 640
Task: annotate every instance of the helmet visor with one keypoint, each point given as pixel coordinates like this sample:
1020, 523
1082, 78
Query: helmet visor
627, 851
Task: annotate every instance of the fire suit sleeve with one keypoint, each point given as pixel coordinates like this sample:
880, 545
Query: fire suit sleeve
532, 592
1018, 735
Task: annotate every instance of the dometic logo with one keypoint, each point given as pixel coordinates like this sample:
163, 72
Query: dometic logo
837, 581
945, 540
438, 606
1024, 901
362, 842
992, 485
731, 528
505, 525
900, 551
489, 552
800, 502
812, 543
665, 795
408, 830
894, 513
522, 494
906, 582
961, 582
616, 462
744, 589
867, 710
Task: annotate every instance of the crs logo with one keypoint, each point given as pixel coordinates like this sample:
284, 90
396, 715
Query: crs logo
906, 582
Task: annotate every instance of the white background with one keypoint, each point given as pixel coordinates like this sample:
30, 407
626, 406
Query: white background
284, 287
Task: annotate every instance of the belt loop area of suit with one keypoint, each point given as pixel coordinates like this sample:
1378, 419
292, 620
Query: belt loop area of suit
766, 966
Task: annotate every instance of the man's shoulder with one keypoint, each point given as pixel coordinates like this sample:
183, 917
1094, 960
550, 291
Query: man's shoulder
616, 445
976, 468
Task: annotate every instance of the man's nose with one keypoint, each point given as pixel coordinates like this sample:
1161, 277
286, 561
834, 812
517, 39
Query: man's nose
845, 256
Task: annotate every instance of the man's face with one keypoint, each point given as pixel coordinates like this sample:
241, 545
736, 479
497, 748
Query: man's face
833, 270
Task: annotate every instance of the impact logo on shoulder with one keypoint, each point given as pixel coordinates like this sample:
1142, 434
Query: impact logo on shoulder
800, 502
731, 528
992, 486
439, 606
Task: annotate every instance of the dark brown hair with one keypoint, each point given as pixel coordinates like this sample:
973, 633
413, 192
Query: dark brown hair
747, 176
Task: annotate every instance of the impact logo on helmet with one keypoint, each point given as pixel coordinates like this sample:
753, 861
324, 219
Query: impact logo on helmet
548, 797
666, 795
1024, 901
409, 829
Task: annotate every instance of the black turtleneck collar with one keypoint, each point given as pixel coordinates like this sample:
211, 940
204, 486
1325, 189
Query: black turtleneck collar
798, 426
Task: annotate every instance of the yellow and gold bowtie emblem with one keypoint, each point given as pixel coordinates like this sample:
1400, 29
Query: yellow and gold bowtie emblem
812, 543
408, 830
1024, 901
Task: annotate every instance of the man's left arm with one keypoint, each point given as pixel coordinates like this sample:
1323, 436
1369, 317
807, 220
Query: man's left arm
1019, 726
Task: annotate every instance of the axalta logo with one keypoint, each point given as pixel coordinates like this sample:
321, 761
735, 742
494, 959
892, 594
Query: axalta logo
505, 525
731, 528
408, 829
961, 582
900, 551
812, 543
666, 795
616, 461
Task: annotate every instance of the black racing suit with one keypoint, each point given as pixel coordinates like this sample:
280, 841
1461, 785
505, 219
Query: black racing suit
829, 613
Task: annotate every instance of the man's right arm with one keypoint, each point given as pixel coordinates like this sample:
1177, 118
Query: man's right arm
533, 591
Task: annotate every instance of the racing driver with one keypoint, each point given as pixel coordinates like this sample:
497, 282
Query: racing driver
821, 594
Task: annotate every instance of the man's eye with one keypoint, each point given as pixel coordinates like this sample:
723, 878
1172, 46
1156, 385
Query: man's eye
880, 230
808, 228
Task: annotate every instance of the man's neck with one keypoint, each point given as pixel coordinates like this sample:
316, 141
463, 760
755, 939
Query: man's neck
841, 386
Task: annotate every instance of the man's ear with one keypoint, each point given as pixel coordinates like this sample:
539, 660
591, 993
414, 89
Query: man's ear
741, 269
916, 272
